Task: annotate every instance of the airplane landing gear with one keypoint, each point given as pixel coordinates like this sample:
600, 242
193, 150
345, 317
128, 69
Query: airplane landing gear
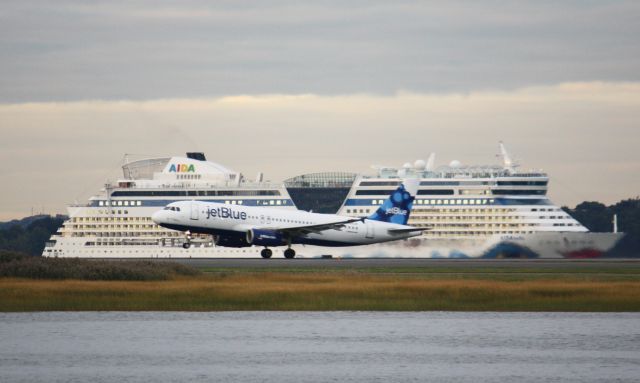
266, 253
289, 253
187, 240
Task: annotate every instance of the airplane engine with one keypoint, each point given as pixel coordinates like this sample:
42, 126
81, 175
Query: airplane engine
226, 241
265, 238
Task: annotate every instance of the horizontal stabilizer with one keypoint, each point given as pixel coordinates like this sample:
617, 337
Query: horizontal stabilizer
410, 230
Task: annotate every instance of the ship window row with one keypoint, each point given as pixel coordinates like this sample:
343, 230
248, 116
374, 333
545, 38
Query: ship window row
420, 192
379, 183
456, 183
193, 193
119, 203
188, 176
471, 225
457, 233
466, 201
128, 234
108, 219
518, 192
113, 211
452, 192
114, 227
550, 209
522, 183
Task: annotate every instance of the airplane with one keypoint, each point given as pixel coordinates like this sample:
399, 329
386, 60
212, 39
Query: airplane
245, 226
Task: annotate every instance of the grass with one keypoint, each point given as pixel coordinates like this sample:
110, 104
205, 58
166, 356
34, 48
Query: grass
46, 284
24, 266
323, 291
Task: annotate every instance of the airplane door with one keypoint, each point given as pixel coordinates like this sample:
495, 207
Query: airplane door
369, 228
194, 211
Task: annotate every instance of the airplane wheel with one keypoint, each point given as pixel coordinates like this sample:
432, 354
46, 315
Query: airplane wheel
186, 245
266, 253
289, 253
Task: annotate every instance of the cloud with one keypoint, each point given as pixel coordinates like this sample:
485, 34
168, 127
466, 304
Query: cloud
71, 50
584, 134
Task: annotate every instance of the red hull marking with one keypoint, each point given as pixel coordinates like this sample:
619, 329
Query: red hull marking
584, 253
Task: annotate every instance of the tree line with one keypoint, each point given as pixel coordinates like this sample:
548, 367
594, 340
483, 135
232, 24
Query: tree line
598, 217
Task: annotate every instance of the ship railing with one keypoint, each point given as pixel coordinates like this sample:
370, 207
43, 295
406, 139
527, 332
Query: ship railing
205, 186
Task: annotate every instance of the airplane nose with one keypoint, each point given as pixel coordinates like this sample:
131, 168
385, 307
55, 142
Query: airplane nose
157, 217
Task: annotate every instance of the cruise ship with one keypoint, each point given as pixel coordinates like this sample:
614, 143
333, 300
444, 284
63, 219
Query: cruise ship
492, 211
116, 223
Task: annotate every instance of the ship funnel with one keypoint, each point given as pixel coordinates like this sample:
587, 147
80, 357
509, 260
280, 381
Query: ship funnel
196, 156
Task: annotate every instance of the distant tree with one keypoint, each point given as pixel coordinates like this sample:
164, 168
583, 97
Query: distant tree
628, 212
597, 217
29, 239
594, 216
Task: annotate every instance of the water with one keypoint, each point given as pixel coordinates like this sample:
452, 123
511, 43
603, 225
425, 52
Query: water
310, 347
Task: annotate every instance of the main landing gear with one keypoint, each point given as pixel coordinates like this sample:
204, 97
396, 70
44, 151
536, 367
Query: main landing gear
289, 253
267, 253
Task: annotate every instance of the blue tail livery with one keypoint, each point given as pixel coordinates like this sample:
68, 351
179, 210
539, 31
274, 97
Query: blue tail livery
397, 207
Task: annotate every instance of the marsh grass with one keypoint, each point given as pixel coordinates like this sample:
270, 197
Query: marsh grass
320, 291
15, 265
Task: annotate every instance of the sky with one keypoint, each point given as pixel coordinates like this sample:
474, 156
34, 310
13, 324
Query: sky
286, 88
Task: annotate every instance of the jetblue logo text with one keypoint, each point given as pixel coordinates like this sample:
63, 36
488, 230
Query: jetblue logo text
396, 211
225, 212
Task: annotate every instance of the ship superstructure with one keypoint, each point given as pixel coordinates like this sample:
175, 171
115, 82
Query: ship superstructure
480, 211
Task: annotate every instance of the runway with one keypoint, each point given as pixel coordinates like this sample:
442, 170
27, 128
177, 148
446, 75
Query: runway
368, 263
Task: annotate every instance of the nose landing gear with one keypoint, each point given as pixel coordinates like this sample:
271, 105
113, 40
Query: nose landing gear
187, 240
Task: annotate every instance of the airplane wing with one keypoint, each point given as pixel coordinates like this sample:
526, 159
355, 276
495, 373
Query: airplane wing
306, 229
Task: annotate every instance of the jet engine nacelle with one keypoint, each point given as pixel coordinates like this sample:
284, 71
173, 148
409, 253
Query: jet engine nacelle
227, 241
259, 237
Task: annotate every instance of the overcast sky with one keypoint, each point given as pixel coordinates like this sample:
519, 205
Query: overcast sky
288, 88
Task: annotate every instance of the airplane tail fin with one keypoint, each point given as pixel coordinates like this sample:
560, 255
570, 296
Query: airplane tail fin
397, 207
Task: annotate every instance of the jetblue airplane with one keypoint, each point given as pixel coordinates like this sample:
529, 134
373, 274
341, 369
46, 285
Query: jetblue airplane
244, 226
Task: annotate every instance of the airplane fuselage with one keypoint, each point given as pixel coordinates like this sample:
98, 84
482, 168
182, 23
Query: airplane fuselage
240, 226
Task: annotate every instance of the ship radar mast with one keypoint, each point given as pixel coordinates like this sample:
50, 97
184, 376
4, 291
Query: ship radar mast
508, 164
431, 162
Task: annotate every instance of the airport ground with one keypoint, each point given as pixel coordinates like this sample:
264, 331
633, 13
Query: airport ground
346, 284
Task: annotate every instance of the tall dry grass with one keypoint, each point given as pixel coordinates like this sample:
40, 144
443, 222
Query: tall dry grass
285, 291
18, 265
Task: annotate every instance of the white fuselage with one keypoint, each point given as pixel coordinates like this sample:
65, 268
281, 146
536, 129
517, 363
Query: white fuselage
233, 220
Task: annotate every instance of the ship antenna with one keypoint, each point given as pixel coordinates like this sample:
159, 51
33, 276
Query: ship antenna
431, 162
507, 162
